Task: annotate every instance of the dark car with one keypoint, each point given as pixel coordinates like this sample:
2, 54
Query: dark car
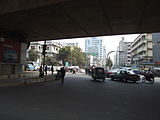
156, 72
109, 72
124, 75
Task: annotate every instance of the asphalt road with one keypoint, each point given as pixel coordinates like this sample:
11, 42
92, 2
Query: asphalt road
81, 98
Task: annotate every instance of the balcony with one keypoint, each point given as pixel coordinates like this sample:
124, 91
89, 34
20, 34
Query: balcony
142, 49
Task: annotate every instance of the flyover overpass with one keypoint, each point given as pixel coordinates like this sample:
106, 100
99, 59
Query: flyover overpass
38, 20
23, 21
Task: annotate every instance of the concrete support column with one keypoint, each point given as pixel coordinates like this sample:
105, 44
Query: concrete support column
12, 54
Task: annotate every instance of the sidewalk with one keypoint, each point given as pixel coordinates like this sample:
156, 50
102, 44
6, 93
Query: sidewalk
25, 78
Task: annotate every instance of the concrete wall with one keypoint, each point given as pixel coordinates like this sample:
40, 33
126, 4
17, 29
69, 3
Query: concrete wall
6, 69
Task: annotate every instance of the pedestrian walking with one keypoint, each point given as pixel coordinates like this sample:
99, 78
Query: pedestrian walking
52, 69
74, 71
40, 72
58, 75
63, 72
45, 69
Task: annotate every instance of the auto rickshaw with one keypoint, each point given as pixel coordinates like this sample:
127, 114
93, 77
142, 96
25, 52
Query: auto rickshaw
98, 73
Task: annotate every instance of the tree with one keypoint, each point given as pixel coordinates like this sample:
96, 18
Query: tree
33, 55
73, 55
109, 62
64, 54
77, 56
49, 60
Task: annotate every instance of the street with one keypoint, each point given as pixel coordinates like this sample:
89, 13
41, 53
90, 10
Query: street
81, 98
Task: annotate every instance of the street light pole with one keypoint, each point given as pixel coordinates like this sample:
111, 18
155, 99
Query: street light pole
108, 56
110, 53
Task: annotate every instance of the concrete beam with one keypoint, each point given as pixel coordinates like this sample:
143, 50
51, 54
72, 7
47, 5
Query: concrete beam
10, 6
58, 19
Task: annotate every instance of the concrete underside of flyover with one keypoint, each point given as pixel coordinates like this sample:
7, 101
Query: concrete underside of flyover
57, 19
35, 20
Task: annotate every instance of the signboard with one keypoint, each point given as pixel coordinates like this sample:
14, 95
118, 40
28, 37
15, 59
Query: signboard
66, 64
93, 51
10, 51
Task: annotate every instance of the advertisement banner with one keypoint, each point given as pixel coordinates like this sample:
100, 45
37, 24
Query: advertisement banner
9, 51
93, 51
66, 64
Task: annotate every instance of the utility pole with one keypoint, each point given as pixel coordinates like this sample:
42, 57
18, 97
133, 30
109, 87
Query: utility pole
44, 55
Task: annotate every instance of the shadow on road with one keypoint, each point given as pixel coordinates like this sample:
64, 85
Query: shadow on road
128, 82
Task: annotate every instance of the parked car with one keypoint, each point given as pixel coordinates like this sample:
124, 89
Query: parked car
125, 75
30, 67
109, 72
35, 64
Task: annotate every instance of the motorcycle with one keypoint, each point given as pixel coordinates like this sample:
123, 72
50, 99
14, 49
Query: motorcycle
148, 77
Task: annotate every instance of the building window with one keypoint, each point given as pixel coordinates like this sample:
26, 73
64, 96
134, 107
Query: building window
47, 48
143, 37
33, 47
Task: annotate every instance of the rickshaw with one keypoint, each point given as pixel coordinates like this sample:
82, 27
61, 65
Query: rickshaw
98, 73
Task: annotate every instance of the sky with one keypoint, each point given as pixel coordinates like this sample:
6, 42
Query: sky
111, 42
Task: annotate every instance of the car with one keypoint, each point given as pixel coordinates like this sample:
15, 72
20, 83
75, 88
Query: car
35, 64
126, 68
124, 75
30, 67
156, 72
109, 72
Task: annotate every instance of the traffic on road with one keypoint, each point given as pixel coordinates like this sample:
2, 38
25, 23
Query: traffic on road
126, 74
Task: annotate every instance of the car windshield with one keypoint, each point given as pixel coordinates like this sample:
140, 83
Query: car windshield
100, 71
131, 72
113, 70
29, 64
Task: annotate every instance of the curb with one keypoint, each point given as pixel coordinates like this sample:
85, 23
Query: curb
25, 80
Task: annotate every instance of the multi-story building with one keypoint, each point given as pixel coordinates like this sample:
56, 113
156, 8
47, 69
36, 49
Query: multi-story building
141, 50
156, 48
36, 46
71, 44
94, 46
128, 60
104, 56
52, 49
123, 56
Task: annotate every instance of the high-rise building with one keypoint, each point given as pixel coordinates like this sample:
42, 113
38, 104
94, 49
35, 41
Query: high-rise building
94, 46
123, 56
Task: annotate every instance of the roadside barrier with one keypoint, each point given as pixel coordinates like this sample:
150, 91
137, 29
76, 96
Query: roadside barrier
38, 79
